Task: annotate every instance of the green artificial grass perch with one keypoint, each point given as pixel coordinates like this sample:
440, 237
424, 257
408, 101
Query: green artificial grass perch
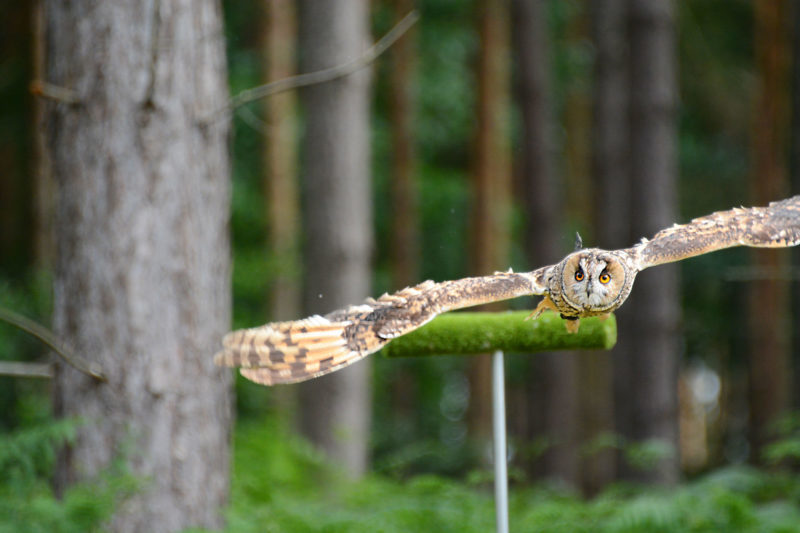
467, 333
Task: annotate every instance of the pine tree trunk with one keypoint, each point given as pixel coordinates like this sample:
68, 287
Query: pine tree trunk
42, 173
280, 178
335, 410
142, 274
280, 167
611, 195
653, 307
491, 183
794, 169
770, 377
405, 233
552, 387
404, 249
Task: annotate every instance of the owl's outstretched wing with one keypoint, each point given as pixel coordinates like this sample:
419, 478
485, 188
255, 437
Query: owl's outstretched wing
289, 352
774, 226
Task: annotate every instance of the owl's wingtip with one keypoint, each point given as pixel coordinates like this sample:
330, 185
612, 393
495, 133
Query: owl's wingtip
225, 358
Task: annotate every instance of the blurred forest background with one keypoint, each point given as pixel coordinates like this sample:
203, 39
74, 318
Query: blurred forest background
482, 139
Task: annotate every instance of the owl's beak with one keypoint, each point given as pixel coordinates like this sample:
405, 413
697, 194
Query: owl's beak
589, 287
589, 293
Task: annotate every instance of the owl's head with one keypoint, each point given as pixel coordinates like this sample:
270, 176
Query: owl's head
595, 281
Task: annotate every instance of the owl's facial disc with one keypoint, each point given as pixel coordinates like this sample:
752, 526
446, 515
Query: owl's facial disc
591, 281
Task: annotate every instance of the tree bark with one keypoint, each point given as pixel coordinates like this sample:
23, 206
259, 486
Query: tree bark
404, 249
770, 378
794, 180
335, 410
611, 195
142, 275
577, 119
491, 183
553, 386
653, 307
44, 188
280, 180
405, 218
280, 162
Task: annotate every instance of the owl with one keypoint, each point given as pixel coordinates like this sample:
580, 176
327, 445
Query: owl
587, 282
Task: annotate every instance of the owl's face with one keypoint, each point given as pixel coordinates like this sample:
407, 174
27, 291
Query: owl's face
595, 281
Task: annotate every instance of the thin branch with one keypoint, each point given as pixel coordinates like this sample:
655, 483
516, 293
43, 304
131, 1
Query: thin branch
26, 370
251, 119
324, 75
54, 92
47, 337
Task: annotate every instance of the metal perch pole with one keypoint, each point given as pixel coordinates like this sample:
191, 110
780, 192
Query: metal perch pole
499, 430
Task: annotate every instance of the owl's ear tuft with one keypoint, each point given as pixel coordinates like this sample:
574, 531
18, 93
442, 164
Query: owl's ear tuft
578, 241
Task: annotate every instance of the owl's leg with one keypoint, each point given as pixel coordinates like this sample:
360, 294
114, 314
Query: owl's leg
604, 316
544, 305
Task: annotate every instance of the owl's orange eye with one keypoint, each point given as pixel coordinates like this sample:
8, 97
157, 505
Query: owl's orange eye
604, 277
579, 275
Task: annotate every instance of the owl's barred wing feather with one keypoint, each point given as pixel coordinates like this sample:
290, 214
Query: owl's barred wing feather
289, 352
774, 226
404, 314
286, 352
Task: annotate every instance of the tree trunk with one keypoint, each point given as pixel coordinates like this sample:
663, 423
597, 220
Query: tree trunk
280, 179
142, 275
610, 126
768, 298
577, 119
491, 183
794, 170
653, 307
280, 167
335, 410
405, 218
553, 386
44, 188
404, 249
611, 195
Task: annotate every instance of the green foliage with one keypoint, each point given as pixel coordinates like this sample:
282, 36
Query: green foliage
786, 449
641, 455
281, 484
647, 454
30, 452
27, 502
23, 401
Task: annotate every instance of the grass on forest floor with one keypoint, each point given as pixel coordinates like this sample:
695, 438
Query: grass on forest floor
280, 483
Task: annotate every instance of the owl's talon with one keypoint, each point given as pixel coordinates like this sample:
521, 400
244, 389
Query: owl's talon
544, 305
534, 314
